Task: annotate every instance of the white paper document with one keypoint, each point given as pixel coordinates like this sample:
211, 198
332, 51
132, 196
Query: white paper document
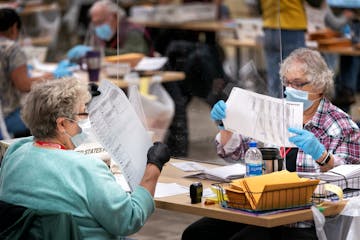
44, 67
118, 128
151, 63
188, 166
344, 176
223, 173
169, 189
261, 117
50, 67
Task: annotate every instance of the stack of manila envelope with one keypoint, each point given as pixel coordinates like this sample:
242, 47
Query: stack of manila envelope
276, 190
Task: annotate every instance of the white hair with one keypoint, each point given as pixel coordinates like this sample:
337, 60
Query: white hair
110, 6
49, 100
314, 68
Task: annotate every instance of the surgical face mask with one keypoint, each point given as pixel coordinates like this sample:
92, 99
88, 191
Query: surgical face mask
104, 32
85, 136
296, 95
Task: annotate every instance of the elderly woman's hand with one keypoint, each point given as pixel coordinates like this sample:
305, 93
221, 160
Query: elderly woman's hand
307, 142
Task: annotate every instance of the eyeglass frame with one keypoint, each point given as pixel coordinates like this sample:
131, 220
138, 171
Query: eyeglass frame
286, 83
82, 114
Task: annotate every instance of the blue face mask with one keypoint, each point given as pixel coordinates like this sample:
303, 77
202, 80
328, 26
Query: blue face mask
296, 95
85, 136
104, 32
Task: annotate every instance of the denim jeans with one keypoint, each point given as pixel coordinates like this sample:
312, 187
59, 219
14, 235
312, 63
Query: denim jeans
349, 72
289, 40
14, 123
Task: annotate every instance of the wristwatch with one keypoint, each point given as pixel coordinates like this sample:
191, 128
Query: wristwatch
326, 160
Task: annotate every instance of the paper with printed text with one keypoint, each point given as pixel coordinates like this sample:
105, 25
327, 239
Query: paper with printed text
118, 128
261, 117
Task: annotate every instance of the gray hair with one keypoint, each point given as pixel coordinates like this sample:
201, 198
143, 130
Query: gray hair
314, 68
49, 100
110, 6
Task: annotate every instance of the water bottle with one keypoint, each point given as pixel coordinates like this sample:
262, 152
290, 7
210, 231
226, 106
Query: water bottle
253, 160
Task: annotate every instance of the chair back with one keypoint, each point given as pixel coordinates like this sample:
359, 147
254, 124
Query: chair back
3, 130
18, 222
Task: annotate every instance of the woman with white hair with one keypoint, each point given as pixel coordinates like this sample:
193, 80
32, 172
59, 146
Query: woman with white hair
110, 29
329, 138
44, 172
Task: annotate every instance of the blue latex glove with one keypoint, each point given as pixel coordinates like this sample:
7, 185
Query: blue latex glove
78, 51
62, 72
307, 142
218, 111
30, 68
65, 64
62, 69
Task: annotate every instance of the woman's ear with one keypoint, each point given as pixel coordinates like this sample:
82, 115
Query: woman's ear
60, 124
319, 91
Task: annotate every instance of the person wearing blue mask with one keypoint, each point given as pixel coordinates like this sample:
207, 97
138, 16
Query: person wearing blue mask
111, 30
44, 172
328, 138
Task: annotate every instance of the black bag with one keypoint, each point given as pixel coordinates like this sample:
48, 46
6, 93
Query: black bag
202, 64
203, 67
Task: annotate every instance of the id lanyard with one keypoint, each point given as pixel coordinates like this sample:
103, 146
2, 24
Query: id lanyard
49, 144
284, 152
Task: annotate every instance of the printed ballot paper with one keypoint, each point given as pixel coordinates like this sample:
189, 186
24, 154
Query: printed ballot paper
118, 128
262, 117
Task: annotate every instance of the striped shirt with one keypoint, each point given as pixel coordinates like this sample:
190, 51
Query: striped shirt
334, 129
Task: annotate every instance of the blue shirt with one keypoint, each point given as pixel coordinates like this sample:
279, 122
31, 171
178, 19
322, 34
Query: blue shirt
67, 181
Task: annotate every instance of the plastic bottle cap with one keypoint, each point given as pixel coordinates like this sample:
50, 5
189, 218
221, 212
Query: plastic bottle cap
252, 144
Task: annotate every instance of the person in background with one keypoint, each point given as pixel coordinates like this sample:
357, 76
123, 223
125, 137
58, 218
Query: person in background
111, 30
44, 172
198, 54
14, 76
329, 138
328, 132
285, 25
349, 70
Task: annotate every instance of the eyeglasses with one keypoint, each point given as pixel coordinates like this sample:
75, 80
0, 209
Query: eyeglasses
101, 21
83, 114
295, 83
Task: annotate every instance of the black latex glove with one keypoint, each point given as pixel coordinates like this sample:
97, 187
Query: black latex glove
93, 89
158, 154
